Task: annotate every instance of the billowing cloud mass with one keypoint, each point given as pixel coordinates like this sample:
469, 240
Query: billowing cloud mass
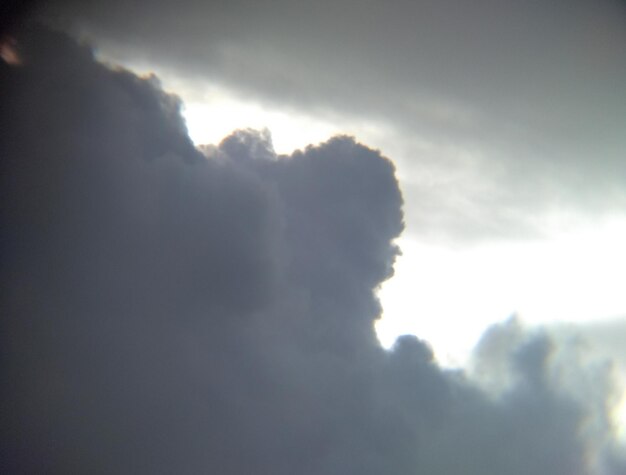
172, 311
500, 111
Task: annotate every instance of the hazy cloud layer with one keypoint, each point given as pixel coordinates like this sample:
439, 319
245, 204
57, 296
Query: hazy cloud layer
529, 95
167, 312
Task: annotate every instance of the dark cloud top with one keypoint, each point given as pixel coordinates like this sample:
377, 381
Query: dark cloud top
169, 311
532, 90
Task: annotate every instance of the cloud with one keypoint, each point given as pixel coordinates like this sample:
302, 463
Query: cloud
169, 311
533, 91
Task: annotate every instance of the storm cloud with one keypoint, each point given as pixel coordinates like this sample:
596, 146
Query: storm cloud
499, 111
168, 309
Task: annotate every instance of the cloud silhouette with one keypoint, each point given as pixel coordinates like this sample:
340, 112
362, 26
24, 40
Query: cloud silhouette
167, 310
510, 109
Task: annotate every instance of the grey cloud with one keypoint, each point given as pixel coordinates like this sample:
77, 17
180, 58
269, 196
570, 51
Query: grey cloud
165, 312
535, 89
567, 363
603, 337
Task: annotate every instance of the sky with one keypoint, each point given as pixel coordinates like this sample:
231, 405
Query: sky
504, 119
456, 170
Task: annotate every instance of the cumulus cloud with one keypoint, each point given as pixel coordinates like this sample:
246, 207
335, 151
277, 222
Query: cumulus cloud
533, 91
167, 310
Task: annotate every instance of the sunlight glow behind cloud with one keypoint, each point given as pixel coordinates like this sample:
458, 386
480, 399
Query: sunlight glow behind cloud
209, 122
570, 276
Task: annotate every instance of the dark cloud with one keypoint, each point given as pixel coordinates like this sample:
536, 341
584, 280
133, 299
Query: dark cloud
13, 13
170, 312
533, 90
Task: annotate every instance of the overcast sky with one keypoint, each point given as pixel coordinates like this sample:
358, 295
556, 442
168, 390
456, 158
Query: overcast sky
524, 100
505, 121
182, 312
